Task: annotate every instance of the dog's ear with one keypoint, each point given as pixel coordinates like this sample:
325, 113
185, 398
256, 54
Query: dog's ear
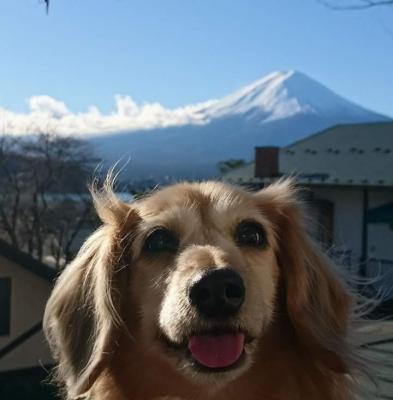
83, 314
316, 301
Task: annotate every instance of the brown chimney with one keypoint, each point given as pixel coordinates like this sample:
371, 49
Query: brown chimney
266, 162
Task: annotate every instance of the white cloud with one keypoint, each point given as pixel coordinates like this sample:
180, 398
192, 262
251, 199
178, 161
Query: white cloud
47, 113
48, 105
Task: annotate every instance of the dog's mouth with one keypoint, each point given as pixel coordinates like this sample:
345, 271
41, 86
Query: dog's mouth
217, 351
212, 351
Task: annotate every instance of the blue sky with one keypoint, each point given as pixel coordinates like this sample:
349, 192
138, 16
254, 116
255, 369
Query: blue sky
179, 52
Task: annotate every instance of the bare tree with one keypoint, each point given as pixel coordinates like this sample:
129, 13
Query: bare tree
44, 203
355, 4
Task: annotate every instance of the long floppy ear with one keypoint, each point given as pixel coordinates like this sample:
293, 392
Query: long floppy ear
83, 314
317, 303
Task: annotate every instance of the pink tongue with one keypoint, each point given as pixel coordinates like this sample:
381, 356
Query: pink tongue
217, 351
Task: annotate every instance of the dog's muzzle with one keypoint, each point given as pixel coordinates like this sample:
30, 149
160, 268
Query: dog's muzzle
217, 295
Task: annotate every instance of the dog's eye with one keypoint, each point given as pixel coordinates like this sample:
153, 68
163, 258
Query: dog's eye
250, 233
161, 240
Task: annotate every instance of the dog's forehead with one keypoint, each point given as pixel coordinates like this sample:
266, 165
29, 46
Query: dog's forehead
200, 197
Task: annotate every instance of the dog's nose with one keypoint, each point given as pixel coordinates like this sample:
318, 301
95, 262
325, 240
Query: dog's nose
218, 293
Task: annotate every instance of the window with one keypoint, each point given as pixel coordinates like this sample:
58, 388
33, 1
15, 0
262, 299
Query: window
324, 218
5, 306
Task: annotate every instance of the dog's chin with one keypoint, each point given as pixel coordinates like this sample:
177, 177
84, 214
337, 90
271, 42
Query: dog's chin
216, 370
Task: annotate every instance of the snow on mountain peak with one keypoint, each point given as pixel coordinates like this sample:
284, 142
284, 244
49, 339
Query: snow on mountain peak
280, 94
268, 97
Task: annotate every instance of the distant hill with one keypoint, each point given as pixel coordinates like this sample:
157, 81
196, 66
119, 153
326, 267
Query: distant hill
276, 110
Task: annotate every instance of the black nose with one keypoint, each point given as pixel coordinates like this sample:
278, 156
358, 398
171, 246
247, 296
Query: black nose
218, 293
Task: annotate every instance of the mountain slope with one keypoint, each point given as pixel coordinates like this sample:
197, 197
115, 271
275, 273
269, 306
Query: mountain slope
275, 110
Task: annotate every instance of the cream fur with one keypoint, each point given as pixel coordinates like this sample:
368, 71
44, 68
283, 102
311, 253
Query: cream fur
112, 303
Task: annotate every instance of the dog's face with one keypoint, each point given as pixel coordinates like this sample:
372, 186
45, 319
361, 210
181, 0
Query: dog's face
192, 272
204, 277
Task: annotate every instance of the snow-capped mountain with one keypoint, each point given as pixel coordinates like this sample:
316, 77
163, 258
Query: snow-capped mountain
276, 110
281, 95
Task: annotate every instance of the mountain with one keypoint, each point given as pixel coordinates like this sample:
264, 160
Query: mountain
276, 110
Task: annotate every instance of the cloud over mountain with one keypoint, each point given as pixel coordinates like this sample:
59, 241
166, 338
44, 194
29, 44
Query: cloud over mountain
48, 113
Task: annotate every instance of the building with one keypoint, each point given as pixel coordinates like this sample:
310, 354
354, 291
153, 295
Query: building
347, 171
25, 285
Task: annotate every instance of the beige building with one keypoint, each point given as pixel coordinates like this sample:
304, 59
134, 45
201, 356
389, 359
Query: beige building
347, 171
25, 285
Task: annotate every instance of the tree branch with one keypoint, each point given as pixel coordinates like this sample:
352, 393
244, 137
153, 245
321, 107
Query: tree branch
364, 4
8, 229
76, 230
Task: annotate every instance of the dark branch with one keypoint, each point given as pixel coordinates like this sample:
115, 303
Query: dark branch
364, 4
46, 2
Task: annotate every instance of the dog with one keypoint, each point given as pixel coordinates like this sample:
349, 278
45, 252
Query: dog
202, 291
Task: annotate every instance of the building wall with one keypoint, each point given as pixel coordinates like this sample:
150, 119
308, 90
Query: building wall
29, 294
348, 219
380, 243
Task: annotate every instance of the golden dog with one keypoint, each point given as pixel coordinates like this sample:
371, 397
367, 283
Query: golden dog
202, 291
